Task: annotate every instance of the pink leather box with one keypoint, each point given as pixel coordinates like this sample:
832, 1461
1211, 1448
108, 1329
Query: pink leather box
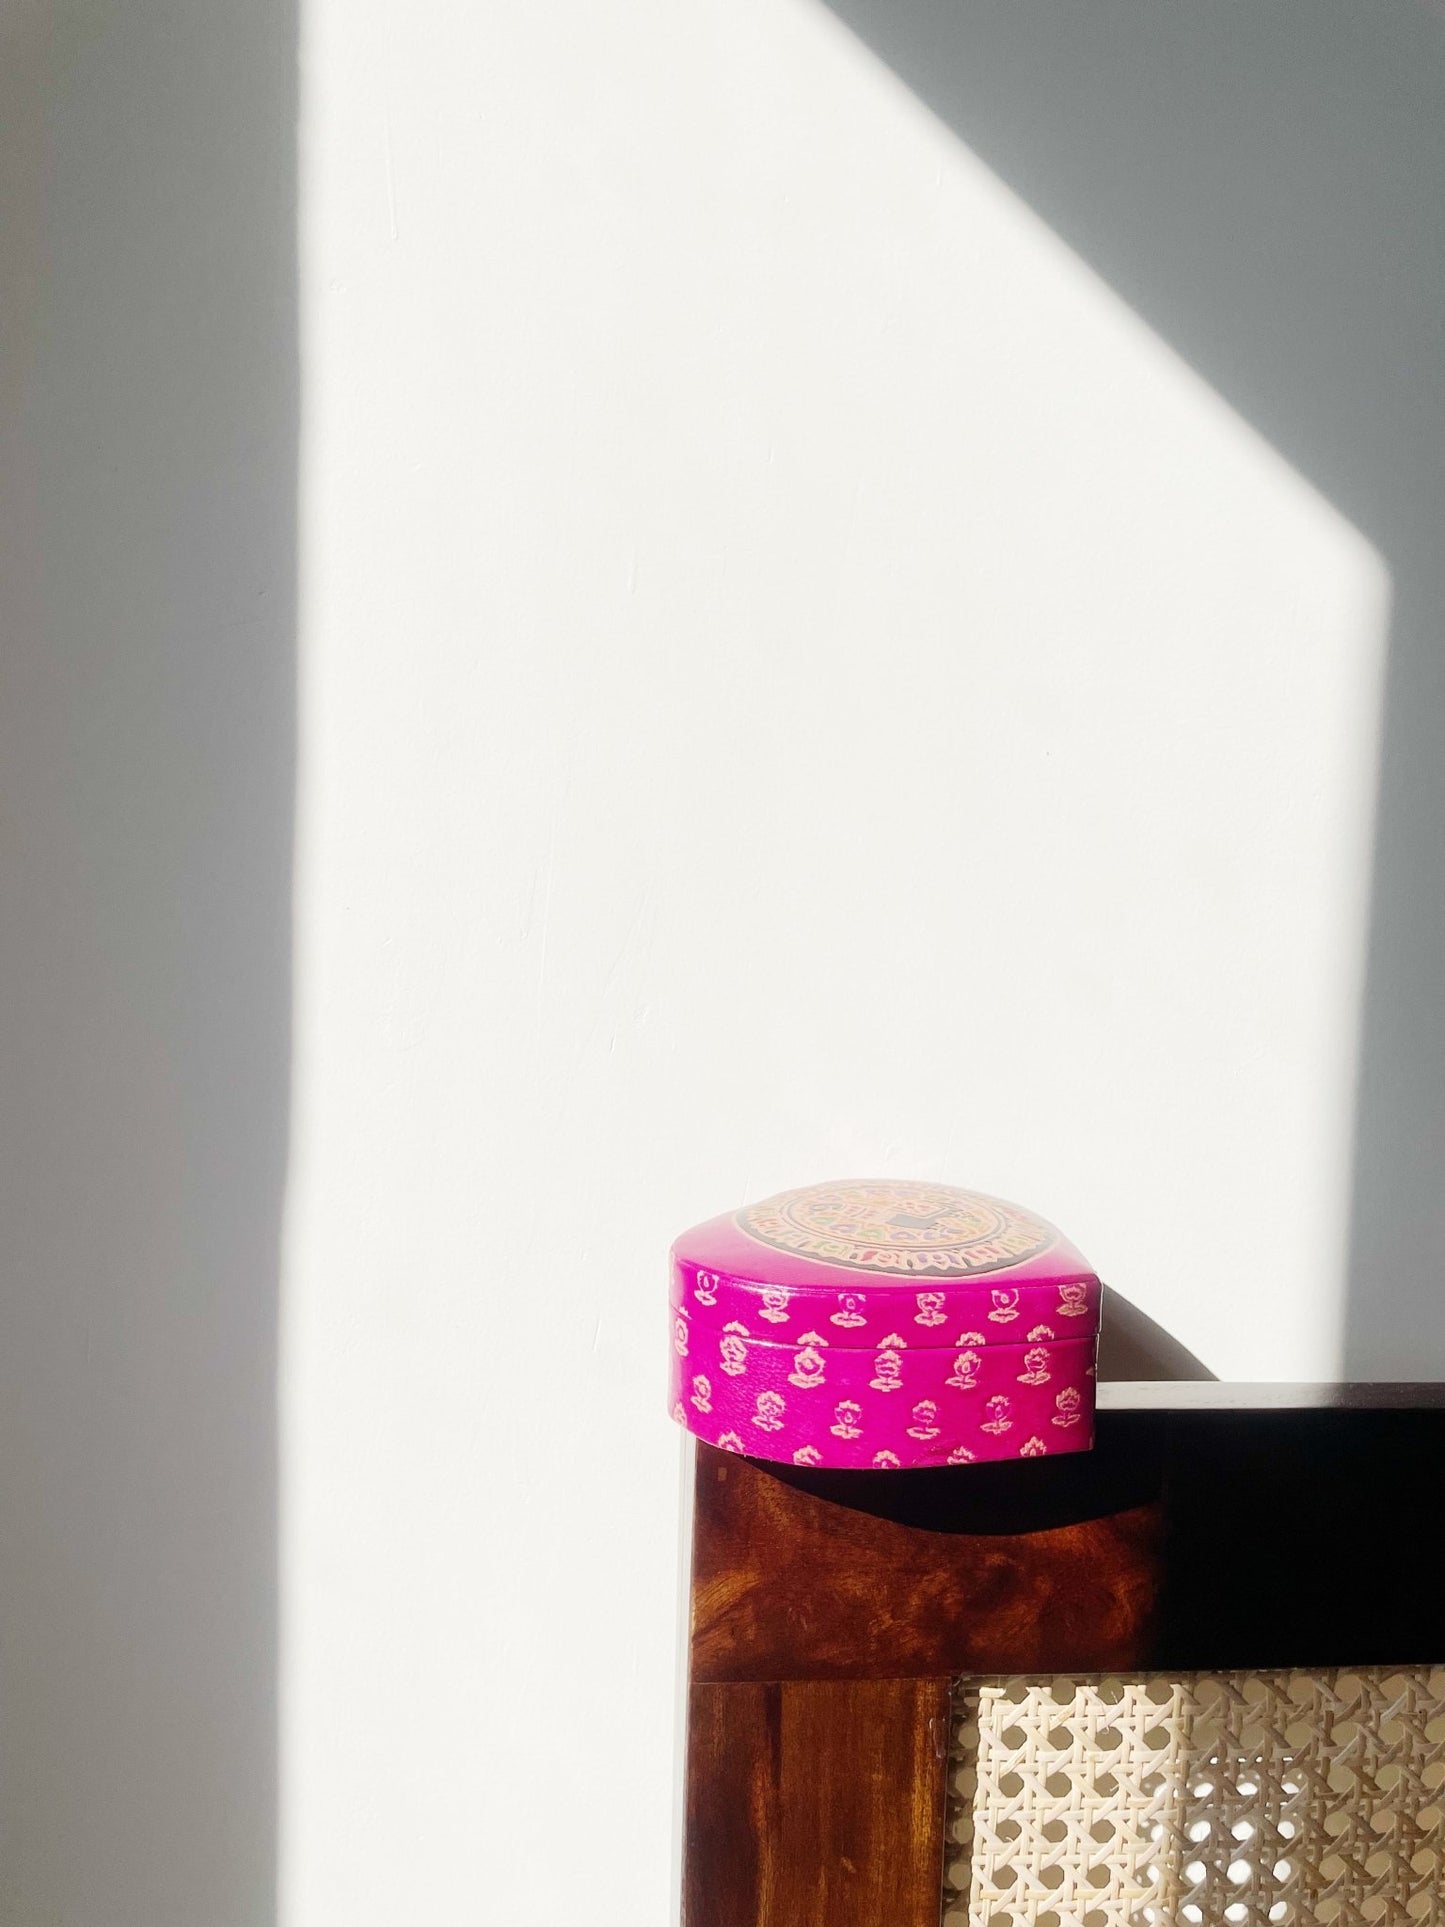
883, 1324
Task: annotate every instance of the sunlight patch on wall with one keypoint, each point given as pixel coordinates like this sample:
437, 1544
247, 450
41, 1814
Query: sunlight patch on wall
1048, 694
795, 680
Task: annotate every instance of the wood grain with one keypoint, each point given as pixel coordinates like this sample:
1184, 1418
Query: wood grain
829, 1610
816, 1804
788, 1584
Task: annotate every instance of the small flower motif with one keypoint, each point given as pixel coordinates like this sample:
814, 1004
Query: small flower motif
1067, 1402
960, 1455
733, 1349
924, 1414
998, 1421
704, 1287
846, 1415
1036, 1366
730, 1442
1032, 1448
808, 1362
679, 1414
887, 1372
807, 1455
930, 1308
679, 1336
1040, 1331
1005, 1306
768, 1412
775, 1305
851, 1314
970, 1338
886, 1461
1073, 1301
965, 1371
702, 1392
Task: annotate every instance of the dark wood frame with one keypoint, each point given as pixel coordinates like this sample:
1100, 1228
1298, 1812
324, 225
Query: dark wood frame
1213, 1526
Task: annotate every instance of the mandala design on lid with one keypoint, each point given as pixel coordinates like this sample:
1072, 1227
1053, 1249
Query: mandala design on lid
906, 1230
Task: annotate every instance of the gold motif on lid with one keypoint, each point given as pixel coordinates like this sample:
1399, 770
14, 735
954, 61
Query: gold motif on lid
893, 1226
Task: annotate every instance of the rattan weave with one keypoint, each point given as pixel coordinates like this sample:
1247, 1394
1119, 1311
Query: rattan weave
1199, 1800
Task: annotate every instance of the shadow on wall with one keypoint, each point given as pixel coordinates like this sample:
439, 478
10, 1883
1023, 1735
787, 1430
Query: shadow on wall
147, 517
1264, 182
1133, 1347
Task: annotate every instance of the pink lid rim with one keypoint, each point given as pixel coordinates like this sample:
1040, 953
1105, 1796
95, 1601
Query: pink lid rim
986, 1311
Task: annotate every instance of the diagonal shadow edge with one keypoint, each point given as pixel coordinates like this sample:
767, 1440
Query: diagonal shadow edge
1264, 184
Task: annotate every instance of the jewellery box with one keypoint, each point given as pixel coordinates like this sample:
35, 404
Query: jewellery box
883, 1325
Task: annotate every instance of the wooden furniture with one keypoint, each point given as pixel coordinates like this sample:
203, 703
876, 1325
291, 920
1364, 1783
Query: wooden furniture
1213, 1527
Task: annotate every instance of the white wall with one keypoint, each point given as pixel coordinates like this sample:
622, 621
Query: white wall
795, 680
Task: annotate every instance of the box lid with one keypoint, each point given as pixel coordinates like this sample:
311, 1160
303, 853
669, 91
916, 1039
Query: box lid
858, 1259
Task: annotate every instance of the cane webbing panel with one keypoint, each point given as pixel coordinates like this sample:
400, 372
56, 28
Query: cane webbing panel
1198, 1800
